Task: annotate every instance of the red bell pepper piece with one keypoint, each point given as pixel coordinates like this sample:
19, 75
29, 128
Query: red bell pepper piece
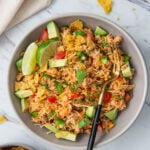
90, 35
107, 97
119, 78
100, 129
75, 95
44, 35
52, 99
127, 97
32, 96
60, 55
91, 60
89, 90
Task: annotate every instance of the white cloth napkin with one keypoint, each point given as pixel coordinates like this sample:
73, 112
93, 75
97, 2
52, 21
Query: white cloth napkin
14, 11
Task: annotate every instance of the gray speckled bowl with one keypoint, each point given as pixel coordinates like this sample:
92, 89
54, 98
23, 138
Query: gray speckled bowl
125, 119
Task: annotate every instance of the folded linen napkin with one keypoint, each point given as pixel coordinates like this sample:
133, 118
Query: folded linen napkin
14, 11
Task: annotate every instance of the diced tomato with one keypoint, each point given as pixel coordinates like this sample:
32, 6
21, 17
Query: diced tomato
89, 90
127, 97
44, 35
107, 97
91, 60
90, 35
119, 78
32, 96
75, 95
52, 99
60, 55
100, 129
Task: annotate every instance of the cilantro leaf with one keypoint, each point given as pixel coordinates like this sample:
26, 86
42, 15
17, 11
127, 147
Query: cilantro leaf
126, 58
104, 44
47, 76
46, 86
117, 97
59, 87
34, 114
80, 77
51, 114
97, 84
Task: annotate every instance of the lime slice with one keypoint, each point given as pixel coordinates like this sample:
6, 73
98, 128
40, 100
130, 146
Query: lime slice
46, 51
29, 59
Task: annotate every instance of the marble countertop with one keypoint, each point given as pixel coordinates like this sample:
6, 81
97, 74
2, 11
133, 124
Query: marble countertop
134, 18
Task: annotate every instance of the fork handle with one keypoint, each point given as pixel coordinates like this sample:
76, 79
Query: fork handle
94, 127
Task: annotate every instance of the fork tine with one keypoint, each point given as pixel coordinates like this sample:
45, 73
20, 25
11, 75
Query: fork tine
114, 68
117, 61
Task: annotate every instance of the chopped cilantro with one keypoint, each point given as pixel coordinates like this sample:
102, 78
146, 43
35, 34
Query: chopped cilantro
108, 88
47, 76
126, 58
104, 44
34, 114
118, 97
93, 94
97, 84
51, 114
80, 77
59, 87
101, 51
46, 86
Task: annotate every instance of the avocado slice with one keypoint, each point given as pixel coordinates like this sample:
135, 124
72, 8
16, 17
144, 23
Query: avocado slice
79, 32
90, 112
104, 59
69, 135
53, 31
51, 128
24, 104
23, 93
57, 63
59, 122
112, 114
100, 31
84, 122
127, 71
46, 50
19, 63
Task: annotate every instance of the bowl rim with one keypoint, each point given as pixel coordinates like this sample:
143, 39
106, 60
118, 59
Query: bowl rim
118, 28
16, 144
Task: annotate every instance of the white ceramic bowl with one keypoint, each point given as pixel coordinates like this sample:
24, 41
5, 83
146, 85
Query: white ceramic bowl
125, 119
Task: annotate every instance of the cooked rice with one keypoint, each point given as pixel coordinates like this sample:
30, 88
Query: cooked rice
96, 72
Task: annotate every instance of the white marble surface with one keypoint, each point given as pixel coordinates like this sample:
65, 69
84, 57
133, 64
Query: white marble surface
137, 23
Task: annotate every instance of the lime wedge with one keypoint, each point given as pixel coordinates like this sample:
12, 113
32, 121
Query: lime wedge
29, 59
46, 51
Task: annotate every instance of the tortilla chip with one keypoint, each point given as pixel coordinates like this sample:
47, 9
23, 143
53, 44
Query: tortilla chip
106, 4
76, 25
3, 119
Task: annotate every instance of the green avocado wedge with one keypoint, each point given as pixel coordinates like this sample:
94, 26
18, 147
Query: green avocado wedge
69, 136
112, 115
24, 105
100, 31
19, 63
46, 50
53, 30
90, 111
23, 93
